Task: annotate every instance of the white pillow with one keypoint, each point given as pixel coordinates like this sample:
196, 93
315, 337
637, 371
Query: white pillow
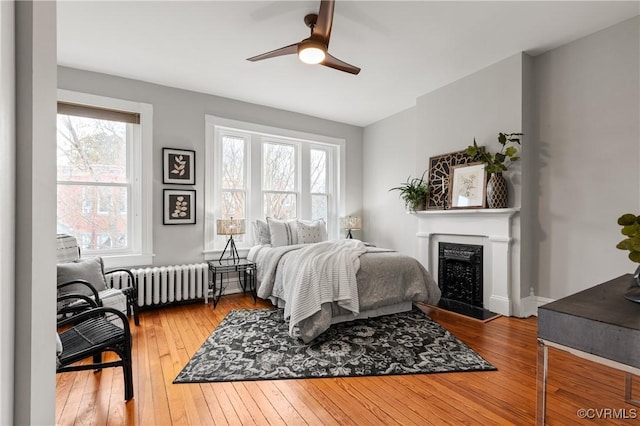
261, 234
311, 231
283, 232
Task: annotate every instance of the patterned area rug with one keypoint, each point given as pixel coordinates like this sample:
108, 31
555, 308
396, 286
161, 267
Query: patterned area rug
254, 344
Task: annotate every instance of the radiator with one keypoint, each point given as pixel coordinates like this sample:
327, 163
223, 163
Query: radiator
167, 284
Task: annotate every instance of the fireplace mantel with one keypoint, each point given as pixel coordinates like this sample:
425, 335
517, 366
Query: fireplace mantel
493, 225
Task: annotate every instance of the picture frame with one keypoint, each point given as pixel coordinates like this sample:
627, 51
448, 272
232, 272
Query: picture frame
178, 166
179, 207
440, 176
468, 185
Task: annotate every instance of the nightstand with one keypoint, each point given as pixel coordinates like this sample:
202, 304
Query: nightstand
245, 269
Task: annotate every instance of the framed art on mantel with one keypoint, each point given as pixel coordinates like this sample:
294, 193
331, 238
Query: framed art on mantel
439, 177
178, 166
468, 183
179, 207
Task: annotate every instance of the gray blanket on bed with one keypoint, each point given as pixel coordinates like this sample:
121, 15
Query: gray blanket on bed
384, 278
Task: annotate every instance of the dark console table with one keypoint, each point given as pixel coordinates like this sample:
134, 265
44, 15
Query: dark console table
597, 324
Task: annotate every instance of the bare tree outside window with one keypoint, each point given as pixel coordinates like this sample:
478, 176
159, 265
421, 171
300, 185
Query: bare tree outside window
319, 195
279, 180
233, 177
92, 181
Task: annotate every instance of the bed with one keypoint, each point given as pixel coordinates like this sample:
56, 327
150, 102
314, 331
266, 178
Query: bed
326, 282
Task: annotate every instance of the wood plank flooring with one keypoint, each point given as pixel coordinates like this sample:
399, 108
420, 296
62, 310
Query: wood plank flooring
167, 337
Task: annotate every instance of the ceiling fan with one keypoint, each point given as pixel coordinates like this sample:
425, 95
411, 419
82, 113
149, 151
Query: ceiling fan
314, 50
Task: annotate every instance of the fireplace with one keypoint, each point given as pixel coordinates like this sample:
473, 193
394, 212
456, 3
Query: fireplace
498, 231
460, 273
460, 278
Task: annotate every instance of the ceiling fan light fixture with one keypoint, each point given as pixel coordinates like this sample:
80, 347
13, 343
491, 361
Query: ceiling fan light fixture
311, 52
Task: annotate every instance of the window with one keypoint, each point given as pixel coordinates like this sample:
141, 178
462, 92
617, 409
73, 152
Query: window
254, 171
279, 177
103, 172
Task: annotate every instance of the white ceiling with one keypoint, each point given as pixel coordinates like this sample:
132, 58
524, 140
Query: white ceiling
405, 48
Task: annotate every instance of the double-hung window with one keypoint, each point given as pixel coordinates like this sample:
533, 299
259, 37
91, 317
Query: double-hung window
254, 172
104, 176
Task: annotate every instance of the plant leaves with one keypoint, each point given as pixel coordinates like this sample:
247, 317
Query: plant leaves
627, 219
625, 244
629, 230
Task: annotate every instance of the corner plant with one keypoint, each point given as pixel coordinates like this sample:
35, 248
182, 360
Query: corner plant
414, 192
497, 163
631, 229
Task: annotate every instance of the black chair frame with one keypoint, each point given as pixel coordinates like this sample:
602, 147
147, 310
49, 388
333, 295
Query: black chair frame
90, 333
130, 292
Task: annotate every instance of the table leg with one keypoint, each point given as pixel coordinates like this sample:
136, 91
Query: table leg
628, 390
216, 299
541, 382
251, 276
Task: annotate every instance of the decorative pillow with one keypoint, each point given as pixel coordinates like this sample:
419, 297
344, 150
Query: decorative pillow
90, 269
312, 231
261, 233
283, 232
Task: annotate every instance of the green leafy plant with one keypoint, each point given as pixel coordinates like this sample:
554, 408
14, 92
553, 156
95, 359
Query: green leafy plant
414, 192
498, 162
631, 230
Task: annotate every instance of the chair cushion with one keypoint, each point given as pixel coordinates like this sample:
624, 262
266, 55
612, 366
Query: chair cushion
90, 269
67, 249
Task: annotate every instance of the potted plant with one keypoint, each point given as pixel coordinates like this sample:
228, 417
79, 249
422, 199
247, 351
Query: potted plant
414, 192
631, 230
495, 164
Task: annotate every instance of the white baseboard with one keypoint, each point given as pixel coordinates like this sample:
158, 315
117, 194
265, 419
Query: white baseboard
530, 305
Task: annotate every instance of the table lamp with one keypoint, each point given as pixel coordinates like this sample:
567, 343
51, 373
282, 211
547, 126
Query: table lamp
230, 227
351, 223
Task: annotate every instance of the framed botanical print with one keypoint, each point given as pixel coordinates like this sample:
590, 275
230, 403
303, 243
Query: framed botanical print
179, 207
467, 187
178, 166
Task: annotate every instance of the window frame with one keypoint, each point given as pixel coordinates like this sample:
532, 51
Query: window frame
140, 199
335, 148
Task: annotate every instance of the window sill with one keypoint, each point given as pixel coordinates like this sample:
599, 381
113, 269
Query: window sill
125, 260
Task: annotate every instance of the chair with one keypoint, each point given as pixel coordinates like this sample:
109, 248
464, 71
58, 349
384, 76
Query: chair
87, 276
90, 333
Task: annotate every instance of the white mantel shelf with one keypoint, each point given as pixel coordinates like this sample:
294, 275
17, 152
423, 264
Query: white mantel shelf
508, 212
495, 226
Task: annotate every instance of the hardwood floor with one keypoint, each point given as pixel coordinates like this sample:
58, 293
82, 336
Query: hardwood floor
167, 337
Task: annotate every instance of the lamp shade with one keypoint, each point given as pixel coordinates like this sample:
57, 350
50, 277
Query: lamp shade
230, 226
352, 222
311, 51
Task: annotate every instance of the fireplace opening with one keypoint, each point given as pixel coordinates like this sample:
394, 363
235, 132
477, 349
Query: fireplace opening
460, 279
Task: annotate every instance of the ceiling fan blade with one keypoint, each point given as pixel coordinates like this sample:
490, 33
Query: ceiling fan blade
335, 63
323, 24
287, 50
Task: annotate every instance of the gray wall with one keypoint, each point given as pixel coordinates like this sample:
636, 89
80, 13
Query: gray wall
389, 159
7, 212
179, 123
35, 230
579, 107
588, 112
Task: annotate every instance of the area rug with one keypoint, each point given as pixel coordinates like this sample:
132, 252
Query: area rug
254, 344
